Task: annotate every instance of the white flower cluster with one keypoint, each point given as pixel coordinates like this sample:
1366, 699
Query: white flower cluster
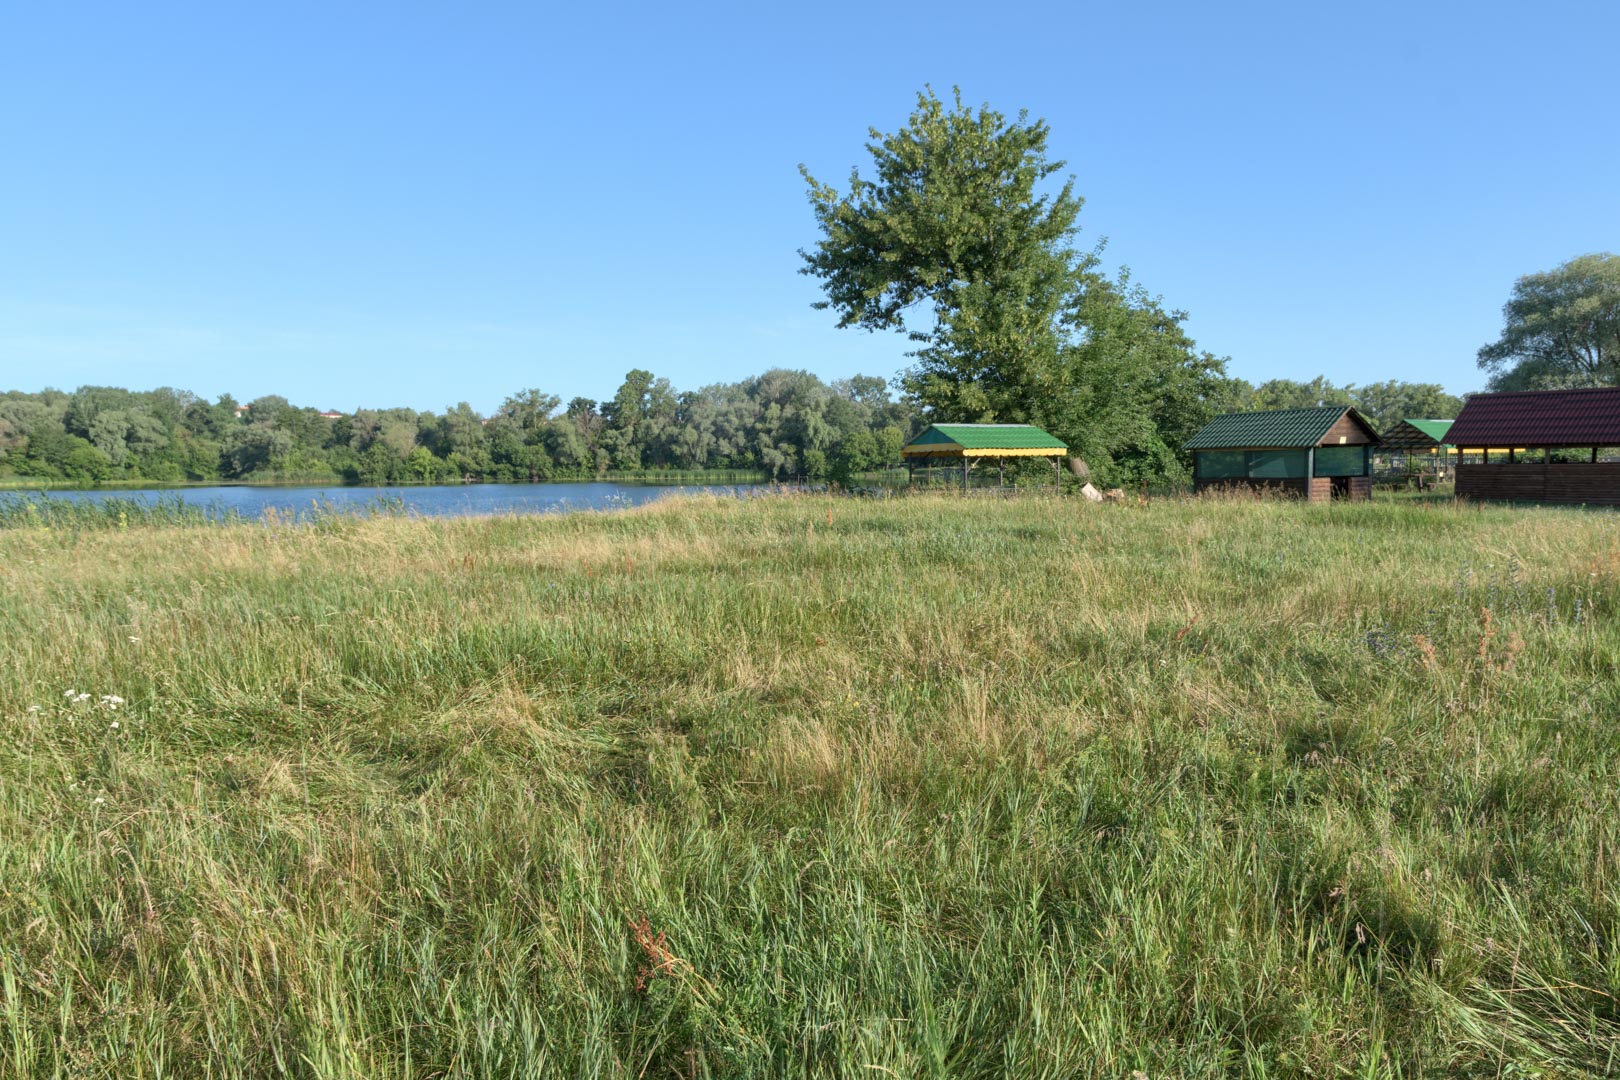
110, 702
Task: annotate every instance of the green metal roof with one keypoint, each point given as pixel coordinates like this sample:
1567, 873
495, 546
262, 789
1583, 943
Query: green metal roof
1278, 428
1434, 429
1417, 434
989, 437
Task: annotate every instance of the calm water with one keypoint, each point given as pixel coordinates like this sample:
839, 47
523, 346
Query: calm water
449, 501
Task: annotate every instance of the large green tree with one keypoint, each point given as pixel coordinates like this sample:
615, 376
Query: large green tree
1561, 329
959, 240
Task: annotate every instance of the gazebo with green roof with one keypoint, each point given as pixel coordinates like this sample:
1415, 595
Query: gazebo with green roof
1320, 453
1421, 440
968, 443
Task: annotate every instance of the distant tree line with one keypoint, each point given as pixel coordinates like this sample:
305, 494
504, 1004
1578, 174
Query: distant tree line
782, 424
1383, 403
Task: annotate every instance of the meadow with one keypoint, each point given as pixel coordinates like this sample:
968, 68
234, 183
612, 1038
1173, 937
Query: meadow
809, 786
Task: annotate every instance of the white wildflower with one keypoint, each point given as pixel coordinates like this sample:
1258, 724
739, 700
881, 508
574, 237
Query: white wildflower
111, 701
82, 697
134, 641
115, 725
99, 800
69, 693
33, 708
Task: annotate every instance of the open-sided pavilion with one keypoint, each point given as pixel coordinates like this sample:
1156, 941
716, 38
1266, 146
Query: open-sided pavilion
971, 443
1422, 443
1559, 441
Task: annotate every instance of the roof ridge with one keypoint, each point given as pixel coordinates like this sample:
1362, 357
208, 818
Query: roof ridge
1532, 393
1290, 408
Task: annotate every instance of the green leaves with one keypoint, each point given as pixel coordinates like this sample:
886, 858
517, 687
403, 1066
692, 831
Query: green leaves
1562, 329
953, 202
956, 241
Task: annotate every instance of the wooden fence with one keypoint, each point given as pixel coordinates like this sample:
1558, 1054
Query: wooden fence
1595, 484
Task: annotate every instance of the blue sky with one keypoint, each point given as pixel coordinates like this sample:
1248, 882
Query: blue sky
355, 204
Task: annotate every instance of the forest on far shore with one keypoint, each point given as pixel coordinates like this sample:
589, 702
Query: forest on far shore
781, 424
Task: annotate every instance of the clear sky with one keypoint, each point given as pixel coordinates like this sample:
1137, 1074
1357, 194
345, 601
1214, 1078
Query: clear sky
408, 204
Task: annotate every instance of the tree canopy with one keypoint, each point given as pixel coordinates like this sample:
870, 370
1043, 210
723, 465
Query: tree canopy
959, 241
1561, 329
784, 424
1383, 403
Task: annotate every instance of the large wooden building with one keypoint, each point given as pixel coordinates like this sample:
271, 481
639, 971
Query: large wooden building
1558, 440
1320, 453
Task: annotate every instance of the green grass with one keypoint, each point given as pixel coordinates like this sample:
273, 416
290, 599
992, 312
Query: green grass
805, 786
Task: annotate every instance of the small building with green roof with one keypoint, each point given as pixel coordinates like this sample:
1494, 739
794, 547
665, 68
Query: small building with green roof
968, 443
1423, 434
1320, 453
1420, 441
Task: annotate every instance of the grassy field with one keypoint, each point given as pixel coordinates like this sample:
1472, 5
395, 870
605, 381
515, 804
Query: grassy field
805, 786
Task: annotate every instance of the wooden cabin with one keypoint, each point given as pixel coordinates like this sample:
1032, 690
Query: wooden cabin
1321, 453
1558, 441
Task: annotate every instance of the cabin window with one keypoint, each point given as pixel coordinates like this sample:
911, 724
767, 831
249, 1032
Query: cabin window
1277, 464
1341, 461
1223, 464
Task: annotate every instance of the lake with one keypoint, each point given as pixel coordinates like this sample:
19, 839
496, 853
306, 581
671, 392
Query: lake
438, 501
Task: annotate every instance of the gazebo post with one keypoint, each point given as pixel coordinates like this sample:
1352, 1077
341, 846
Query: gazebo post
964, 474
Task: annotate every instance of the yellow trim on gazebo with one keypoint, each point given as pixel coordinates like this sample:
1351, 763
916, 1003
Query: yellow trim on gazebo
958, 452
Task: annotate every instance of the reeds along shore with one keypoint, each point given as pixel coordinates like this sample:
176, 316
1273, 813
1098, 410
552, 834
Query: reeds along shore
812, 786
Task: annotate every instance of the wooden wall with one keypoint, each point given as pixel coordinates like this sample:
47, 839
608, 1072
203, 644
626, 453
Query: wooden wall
1354, 434
1598, 485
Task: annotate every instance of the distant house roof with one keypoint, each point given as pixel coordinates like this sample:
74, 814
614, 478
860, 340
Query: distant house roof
984, 440
1276, 429
330, 415
1539, 418
1418, 434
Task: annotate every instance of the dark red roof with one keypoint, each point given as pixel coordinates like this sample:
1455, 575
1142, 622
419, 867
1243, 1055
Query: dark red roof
1539, 418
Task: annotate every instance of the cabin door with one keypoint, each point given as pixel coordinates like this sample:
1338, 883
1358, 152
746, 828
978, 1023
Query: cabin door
1341, 487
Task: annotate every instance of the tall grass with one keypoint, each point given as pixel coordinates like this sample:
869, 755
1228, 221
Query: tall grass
806, 786
42, 511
